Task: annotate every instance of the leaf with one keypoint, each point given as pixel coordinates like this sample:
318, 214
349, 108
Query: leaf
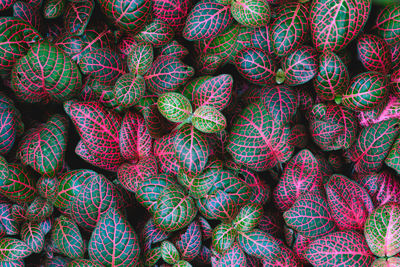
260, 38
366, 91
129, 16
259, 244
77, 16
248, 218
257, 140
67, 237
390, 262
157, 125
152, 256
191, 149
387, 24
45, 73
235, 256
208, 119
344, 248
8, 220
332, 78
19, 185
349, 203
174, 49
310, 216
300, 66
175, 210
140, 58
165, 153
128, 89
84, 153
104, 65
98, 128
256, 66
281, 103
213, 91
372, 146
169, 252
134, 139
382, 230
167, 74
251, 13
12, 249
53, 8
173, 12
113, 241
33, 236
207, 19
174, 106
39, 210
43, 148
189, 242
8, 129
335, 24
158, 33
28, 13
208, 64
374, 53
223, 237
288, 30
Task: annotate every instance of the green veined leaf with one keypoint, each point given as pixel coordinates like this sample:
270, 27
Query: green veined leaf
208, 119
259, 244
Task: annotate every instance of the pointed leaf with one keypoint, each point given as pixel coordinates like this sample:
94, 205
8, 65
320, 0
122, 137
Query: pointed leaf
174, 106
281, 103
251, 13
208, 119
12, 249
259, 244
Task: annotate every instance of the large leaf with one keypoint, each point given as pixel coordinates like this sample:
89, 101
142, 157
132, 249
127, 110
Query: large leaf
191, 149
19, 184
169, 253
387, 24
131, 16
45, 73
349, 203
310, 216
33, 236
113, 241
43, 148
259, 244
257, 140
12, 249
289, 29
167, 74
175, 210
189, 242
334, 24
372, 145
340, 249
15, 38
382, 230
140, 58
207, 19
301, 175
28, 13
67, 237
98, 128
374, 53
251, 13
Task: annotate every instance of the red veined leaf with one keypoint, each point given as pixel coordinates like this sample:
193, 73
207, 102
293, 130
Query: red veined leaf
152, 234
332, 78
167, 74
67, 237
349, 203
39, 210
152, 256
165, 153
8, 128
189, 242
191, 149
174, 49
235, 256
248, 217
114, 241
33, 236
208, 64
175, 210
207, 19
344, 248
255, 65
243, 40
129, 16
215, 91
335, 24
169, 253
387, 24
287, 258
98, 128
374, 53
84, 153
299, 136
395, 55
53, 8
156, 123
157, 33
382, 230
174, 107
208, 119
257, 140
8, 219
140, 58
393, 158
134, 139
28, 13
260, 38
223, 237
251, 13
288, 30
173, 12
12, 249
77, 16
128, 89
45, 73
132, 175
298, 242
310, 215
190, 88
372, 146
43, 148
301, 175
259, 244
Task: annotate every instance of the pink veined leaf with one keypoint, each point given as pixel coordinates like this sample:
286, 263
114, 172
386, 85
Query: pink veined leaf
126, 44
39, 210
349, 203
174, 49
287, 258
77, 16
387, 24
84, 153
27, 13
298, 243
189, 241
343, 248
158, 33
165, 154
12, 249
173, 12
207, 19
8, 219
374, 53
67, 237
301, 175
389, 262
33, 236
98, 128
